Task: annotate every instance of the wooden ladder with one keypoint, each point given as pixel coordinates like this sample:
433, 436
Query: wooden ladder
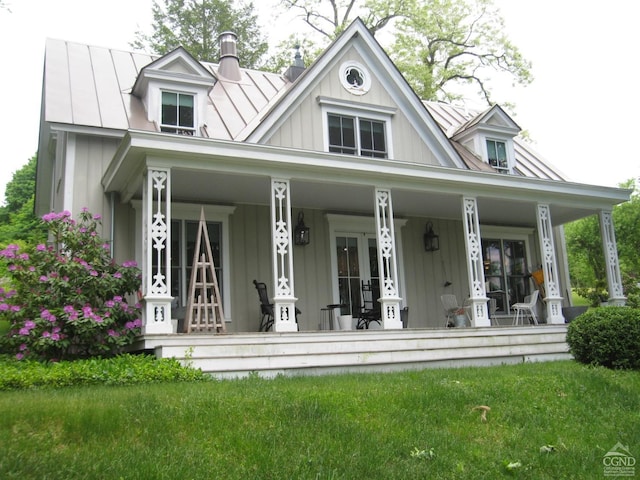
204, 308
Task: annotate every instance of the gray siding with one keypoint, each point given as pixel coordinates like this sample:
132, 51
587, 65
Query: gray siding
304, 127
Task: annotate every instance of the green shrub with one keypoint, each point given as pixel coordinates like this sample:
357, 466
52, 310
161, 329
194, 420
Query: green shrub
120, 370
607, 336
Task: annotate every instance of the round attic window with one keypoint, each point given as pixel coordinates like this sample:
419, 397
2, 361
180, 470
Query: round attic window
355, 78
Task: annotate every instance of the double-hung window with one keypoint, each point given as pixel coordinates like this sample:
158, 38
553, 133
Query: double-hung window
357, 136
497, 155
178, 113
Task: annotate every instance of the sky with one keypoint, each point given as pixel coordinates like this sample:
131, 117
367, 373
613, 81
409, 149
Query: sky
579, 111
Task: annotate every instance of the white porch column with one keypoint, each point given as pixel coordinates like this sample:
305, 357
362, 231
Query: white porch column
387, 263
156, 225
475, 269
553, 299
614, 279
284, 300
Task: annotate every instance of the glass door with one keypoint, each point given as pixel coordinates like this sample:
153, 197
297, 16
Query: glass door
505, 272
357, 261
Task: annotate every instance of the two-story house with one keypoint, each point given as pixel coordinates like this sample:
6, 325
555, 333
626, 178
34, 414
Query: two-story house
418, 198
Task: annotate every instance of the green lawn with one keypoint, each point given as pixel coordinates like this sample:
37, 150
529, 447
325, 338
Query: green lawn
413, 425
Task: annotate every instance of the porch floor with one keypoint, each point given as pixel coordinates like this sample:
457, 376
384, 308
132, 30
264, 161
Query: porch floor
321, 352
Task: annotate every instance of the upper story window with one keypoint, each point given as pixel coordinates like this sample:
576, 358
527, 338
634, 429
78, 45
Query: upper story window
357, 136
497, 155
178, 113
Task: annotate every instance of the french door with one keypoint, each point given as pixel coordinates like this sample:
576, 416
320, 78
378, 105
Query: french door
505, 272
357, 261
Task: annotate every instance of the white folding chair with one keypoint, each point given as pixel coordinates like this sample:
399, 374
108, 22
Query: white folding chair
526, 309
450, 305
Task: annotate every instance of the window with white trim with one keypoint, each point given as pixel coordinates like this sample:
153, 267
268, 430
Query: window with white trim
178, 113
497, 155
354, 135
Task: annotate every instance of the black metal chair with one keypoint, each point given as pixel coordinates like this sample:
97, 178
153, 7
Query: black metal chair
371, 309
266, 307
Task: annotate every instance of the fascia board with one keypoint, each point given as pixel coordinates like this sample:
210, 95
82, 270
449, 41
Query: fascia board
245, 158
86, 130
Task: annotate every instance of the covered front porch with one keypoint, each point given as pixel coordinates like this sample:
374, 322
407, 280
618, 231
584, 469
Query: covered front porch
375, 209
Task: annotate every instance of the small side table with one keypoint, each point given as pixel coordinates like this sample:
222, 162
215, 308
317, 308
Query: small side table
328, 316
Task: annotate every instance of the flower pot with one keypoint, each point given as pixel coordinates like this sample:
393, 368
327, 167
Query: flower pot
345, 321
460, 321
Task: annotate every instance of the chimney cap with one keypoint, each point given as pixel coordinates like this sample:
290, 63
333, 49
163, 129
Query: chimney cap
229, 65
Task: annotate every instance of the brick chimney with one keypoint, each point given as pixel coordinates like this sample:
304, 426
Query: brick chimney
229, 66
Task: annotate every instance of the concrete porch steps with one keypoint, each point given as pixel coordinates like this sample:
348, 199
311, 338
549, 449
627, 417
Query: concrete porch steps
320, 352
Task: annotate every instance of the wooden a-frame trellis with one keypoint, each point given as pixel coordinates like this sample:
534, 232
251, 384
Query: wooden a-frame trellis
204, 307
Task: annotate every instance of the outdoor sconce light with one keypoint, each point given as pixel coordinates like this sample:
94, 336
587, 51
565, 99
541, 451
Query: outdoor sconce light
431, 240
301, 231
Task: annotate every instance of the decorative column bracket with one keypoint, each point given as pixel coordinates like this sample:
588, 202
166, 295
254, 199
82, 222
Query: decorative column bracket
156, 262
284, 299
614, 279
387, 261
475, 269
553, 299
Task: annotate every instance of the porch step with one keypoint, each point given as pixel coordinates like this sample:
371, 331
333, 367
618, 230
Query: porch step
313, 353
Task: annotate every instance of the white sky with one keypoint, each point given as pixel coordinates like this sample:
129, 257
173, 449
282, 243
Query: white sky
579, 110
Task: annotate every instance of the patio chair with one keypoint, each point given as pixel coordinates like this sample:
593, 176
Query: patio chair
266, 307
370, 310
526, 309
451, 307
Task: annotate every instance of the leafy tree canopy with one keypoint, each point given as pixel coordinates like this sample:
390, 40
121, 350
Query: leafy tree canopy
441, 46
586, 255
196, 25
17, 218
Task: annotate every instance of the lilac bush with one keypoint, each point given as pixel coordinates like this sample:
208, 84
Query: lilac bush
68, 300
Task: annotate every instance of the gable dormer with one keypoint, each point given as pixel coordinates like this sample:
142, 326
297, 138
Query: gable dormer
174, 91
490, 136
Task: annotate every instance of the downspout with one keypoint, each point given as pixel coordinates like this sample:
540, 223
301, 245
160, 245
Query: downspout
112, 208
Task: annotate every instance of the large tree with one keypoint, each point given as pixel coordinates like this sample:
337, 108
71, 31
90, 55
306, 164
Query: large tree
441, 46
196, 25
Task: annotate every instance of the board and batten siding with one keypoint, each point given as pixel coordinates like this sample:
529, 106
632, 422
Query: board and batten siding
304, 127
251, 259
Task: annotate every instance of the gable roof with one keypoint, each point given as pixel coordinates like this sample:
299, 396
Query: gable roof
454, 119
358, 36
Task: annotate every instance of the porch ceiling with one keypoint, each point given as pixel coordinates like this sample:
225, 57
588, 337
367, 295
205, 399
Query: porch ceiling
224, 188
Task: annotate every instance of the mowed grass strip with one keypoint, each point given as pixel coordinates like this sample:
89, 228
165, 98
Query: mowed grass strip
411, 425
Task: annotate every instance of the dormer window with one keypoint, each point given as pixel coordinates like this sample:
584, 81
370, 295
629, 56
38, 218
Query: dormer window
177, 113
497, 155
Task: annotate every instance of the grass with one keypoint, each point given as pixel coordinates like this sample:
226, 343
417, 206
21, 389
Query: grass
411, 425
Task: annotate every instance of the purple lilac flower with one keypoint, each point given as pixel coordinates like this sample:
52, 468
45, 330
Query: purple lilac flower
117, 275
113, 333
55, 337
15, 308
69, 309
24, 331
87, 312
23, 256
4, 307
19, 356
29, 324
23, 347
97, 216
46, 334
41, 247
108, 304
43, 278
117, 298
130, 263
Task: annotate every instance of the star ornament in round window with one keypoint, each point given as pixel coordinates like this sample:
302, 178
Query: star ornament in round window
355, 78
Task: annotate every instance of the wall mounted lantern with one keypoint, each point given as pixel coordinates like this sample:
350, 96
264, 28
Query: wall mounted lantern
431, 240
301, 231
